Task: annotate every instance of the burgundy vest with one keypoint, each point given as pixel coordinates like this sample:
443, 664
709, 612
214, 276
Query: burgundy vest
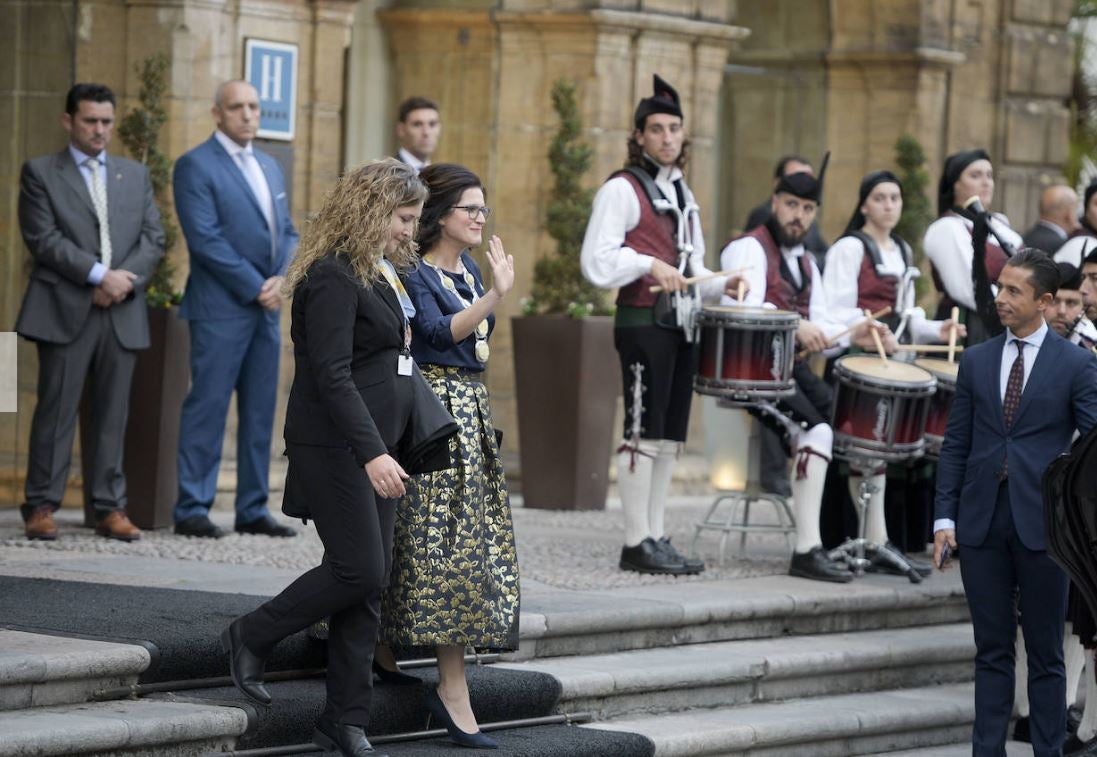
779, 290
654, 235
995, 261
875, 292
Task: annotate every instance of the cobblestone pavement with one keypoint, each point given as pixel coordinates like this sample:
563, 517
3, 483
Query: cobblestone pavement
564, 549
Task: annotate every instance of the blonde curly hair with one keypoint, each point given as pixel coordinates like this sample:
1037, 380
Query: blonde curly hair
354, 219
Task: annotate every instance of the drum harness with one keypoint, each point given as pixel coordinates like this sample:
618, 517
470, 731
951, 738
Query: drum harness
904, 290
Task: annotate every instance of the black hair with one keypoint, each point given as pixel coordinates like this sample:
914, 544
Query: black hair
415, 103
96, 93
1042, 270
779, 169
1091, 257
446, 182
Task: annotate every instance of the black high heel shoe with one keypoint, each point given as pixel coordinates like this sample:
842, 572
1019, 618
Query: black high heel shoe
394, 677
474, 740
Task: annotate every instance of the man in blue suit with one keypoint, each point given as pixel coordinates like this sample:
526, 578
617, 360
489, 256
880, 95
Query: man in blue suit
231, 200
1019, 398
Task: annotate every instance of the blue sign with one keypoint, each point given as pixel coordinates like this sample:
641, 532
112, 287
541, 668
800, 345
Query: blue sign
271, 67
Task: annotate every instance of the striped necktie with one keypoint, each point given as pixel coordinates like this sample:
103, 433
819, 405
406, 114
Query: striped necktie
99, 201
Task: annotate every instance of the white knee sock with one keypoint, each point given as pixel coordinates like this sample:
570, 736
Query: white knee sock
812, 459
1020, 680
1074, 658
634, 471
661, 473
1087, 729
876, 530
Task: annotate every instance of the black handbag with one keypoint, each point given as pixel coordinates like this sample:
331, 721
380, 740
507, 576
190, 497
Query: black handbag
425, 447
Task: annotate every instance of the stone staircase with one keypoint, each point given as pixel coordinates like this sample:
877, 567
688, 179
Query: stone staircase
771, 665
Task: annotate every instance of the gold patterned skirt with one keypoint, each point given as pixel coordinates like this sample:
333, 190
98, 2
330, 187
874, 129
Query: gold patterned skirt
455, 567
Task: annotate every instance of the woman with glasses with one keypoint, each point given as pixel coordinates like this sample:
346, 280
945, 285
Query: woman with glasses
454, 581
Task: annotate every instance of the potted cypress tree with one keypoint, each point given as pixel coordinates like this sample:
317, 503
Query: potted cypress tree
161, 375
565, 366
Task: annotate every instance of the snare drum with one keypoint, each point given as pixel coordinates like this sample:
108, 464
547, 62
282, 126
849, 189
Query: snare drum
880, 409
746, 353
945, 373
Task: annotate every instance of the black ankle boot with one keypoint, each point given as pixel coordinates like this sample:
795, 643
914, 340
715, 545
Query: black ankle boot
343, 738
245, 667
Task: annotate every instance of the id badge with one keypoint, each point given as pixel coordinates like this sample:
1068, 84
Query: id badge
404, 364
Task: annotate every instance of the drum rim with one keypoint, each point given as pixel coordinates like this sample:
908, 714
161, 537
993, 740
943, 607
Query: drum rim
847, 375
942, 378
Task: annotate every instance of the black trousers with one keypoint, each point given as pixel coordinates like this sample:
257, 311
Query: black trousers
1000, 576
356, 529
667, 364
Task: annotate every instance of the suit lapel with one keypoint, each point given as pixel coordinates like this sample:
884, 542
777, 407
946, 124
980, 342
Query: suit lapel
230, 166
1045, 358
994, 381
69, 171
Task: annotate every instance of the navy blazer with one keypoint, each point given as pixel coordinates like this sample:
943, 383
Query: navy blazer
227, 233
1059, 397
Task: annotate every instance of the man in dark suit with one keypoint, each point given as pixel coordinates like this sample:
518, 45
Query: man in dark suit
1058, 219
231, 200
418, 126
90, 222
1019, 399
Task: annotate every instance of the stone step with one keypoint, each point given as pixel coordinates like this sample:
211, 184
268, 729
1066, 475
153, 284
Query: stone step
568, 623
730, 673
866, 723
38, 670
144, 727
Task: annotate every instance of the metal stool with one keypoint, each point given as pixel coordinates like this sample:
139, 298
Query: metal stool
752, 493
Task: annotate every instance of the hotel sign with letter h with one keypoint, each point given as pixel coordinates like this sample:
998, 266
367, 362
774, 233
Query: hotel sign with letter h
272, 68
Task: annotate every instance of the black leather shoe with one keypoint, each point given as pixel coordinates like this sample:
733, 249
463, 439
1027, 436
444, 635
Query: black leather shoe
1020, 730
245, 667
818, 567
199, 526
1072, 747
266, 526
648, 557
1074, 718
692, 564
340, 738
462, 738
880, 565
394, 677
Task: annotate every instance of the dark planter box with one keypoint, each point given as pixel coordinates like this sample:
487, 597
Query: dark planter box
566, 377
161, 379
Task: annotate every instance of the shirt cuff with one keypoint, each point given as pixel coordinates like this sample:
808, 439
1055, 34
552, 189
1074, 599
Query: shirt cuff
96, 274
942, 523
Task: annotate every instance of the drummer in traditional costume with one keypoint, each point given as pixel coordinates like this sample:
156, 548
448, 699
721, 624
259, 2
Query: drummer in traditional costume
634, 241
948, 242
782, 275
871, 268
1084, 239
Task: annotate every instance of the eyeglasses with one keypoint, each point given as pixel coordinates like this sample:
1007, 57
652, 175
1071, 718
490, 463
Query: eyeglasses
474, 211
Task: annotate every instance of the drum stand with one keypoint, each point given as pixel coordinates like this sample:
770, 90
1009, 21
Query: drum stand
858, 553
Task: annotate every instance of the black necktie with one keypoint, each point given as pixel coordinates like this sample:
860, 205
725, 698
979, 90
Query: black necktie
1014, 385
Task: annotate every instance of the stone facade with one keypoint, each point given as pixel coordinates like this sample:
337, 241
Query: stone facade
811, 75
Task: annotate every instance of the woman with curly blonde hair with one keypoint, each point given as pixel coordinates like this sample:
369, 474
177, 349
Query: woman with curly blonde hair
349, 405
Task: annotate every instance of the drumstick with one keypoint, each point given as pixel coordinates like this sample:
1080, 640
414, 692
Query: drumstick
955, 316
742, 290
876, 336
830, 342
694, 279
929, 348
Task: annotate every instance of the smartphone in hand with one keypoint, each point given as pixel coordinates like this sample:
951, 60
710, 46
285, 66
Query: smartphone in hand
946, 553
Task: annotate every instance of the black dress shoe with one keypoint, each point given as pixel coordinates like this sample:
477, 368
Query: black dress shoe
394, 677
880, 565
462, 738
693, 564
1020, 730
266, 526
648, 557
818, 567
341, 738
1074, 718
200, 526
1072, 747
245, 667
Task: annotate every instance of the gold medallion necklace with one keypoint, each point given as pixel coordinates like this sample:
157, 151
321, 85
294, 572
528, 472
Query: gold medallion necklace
481, 350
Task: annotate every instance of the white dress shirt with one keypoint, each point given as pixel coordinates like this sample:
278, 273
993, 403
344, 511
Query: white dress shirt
1033, 343
98, 270
606, 261
948, 246
841, 282
1071, 251
747, 253
411, 160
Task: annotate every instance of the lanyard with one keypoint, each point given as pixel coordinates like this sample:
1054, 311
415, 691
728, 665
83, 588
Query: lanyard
483, 352
401, 294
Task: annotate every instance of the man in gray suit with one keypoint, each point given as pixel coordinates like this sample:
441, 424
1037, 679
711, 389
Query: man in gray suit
91, 224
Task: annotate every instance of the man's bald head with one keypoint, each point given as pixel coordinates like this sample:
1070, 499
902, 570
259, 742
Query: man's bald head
1057, 205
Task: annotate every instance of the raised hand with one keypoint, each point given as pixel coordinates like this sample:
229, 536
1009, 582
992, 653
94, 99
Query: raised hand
502, 267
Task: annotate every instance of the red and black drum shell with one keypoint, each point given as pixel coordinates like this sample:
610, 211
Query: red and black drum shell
746, 353
941, 405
